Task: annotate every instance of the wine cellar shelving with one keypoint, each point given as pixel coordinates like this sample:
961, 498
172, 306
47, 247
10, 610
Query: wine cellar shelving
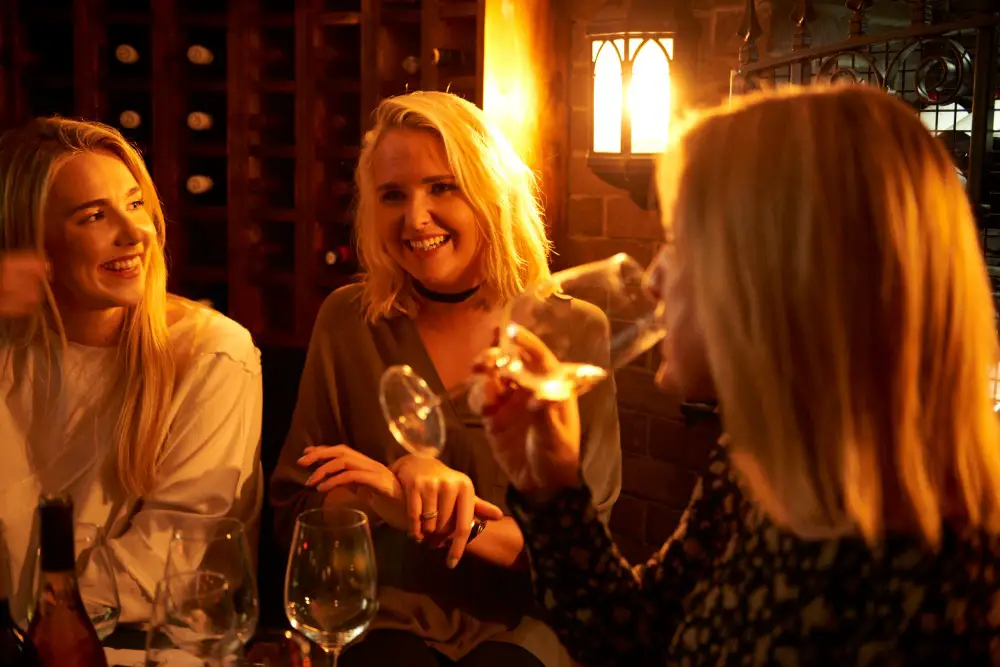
250, 115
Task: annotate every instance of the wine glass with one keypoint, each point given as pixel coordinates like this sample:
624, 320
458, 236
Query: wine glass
219, 545
194, 621
331, 584
95, 576
96, 579
565, 313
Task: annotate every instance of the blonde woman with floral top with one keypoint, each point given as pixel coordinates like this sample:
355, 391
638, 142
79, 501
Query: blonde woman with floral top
828, 287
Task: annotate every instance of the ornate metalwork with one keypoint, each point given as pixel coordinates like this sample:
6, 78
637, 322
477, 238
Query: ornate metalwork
858, 22
750, 31
802, 15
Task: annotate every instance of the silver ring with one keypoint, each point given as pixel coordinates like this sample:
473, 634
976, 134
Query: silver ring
427, 516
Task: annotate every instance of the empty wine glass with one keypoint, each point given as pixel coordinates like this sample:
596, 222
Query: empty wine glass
193, 621
96, 578
331, 591
219, 545
594, 318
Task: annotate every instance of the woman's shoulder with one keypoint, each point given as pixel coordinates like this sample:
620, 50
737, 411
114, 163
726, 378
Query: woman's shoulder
197, 331
342, 311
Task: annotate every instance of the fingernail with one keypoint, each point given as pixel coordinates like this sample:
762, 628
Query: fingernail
452, 562
311, 480
301, 460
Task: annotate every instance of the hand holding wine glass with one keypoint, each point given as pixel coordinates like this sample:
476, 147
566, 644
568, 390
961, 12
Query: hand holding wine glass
536, 441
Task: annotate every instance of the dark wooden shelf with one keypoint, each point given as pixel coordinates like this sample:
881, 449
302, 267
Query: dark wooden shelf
340, 18
204, 20
205, 149
207, 86
204, 274
204, 214
274, 151
394, 15
276, 215
278, 86
129, 85
131, 18
458, 10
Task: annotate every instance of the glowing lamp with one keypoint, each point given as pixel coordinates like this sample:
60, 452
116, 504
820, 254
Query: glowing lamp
632, 48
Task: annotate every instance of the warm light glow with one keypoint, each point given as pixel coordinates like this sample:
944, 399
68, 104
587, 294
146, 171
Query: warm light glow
512, 93
608, 100
649, 98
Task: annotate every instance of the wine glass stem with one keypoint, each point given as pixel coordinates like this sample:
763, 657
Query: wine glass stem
334, 655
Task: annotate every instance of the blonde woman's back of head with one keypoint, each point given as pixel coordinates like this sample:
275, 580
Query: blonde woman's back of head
847, 313
501, 189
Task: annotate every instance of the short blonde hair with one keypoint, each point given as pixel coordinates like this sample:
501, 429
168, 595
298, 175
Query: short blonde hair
29, 157
501, 189
846, 307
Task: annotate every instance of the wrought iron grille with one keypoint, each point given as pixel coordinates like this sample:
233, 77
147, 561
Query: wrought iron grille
949, 72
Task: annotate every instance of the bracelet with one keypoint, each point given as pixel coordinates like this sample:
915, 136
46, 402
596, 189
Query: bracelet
477, 528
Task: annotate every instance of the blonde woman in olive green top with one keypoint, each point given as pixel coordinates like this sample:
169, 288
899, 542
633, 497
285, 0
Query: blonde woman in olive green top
449, 229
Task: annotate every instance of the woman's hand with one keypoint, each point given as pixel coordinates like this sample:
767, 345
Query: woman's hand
22, 277
537, 443
371, 481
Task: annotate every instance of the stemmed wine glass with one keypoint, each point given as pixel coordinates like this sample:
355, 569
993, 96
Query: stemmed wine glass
95, 578
563, 312
194, 621
219, 545
331, 586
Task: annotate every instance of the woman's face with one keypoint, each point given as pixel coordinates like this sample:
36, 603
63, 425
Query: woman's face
97, 233
424, 220
684, 366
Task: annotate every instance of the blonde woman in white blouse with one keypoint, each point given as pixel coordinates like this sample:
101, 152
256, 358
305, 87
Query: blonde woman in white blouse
143, 407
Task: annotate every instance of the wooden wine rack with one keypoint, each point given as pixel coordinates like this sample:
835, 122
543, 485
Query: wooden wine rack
289, 87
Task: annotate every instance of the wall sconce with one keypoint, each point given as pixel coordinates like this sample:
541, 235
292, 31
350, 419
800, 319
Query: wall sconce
632, 50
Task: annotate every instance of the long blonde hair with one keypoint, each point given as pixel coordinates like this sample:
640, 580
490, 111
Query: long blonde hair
28, 158
501, 189
847, 312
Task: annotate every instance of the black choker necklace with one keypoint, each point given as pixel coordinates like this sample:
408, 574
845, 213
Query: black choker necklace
443, 297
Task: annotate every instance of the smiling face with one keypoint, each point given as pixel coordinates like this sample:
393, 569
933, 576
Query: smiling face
425, 222
97, 234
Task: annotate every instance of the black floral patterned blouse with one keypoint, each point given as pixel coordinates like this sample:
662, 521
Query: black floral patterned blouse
730, 588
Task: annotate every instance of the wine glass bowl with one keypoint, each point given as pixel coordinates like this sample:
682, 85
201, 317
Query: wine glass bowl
412, 411
193, 618
219, 545
331, 591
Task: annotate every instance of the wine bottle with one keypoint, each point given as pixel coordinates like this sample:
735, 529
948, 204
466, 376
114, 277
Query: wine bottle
16, 650
411, 65
448, 57
126, 54
199, 121
341, 254
200, 55
60, 628
130, 119
199, 184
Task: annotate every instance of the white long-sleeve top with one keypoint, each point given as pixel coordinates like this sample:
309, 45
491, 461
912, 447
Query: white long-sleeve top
209, 464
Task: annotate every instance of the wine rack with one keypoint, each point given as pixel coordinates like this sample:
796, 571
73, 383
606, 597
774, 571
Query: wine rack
249, 114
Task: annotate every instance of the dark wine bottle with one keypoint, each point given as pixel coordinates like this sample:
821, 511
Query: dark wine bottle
60, 628
16, 650
448, 57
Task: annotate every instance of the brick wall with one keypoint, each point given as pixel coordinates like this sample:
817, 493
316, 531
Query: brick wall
662, 453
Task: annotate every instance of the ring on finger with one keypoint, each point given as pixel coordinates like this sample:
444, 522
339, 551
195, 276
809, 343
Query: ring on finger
427, 516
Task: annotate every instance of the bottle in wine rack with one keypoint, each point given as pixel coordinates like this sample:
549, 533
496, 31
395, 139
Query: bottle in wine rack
206, 181
449, 58
206, 119
339, 256
130, 119
205, 54
200, 55
199, 184
126, 54
16, 650
60, 628
411, 65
